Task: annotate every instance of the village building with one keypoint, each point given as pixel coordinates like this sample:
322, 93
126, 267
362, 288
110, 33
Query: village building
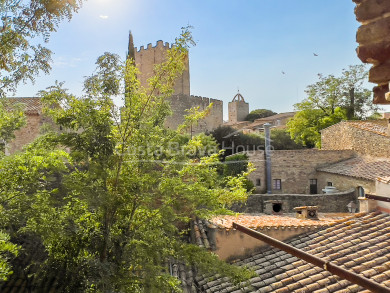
34, 120
354, 154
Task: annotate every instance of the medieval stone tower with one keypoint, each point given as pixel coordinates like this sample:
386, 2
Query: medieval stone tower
238, 109
146, 59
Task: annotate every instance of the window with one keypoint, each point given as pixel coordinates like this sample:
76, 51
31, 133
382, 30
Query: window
258, 182
329, 184
277, 184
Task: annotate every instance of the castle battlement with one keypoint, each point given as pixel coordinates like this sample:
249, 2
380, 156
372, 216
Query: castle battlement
199, 99
159, 44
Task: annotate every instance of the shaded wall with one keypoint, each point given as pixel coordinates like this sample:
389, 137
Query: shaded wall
327, 203
294, 168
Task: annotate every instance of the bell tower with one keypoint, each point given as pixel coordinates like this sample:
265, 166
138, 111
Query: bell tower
238, 109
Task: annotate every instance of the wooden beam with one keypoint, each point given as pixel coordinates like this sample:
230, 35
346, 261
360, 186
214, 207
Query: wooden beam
370, 9
374, 53
376, 31
379, 94
380, 74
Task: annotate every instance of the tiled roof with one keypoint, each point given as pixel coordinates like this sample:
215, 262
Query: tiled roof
358, 244
263, 221
32, 106
369, 126
360, 167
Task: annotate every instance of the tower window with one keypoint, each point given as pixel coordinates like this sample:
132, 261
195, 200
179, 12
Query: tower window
258, 182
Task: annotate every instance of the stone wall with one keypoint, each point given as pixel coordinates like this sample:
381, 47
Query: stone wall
343, 183
294, 168
146, 59
238, 110
179, 105
327, 203
26, 134
342, 136
258, 177
232, 244
383, 189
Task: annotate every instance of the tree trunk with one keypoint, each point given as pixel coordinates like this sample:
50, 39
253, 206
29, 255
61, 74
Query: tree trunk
351, 108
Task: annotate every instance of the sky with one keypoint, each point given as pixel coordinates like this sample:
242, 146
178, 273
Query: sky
263, 48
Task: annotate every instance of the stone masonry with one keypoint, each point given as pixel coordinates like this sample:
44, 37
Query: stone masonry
27, 134
327, 203
364, 137
146, 59
294, 168
179, 105
238, 109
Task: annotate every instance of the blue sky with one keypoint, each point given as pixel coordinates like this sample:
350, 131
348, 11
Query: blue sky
242, 44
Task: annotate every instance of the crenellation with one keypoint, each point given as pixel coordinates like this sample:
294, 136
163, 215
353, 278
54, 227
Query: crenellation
147, 58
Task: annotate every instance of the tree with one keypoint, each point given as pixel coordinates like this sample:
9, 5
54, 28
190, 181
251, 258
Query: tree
22, 55
329, 101
281, 140
11, 119
116, 208
259, 113
232, 140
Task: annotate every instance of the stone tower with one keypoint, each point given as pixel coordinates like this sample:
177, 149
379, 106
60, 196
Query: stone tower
146, 59
238, 109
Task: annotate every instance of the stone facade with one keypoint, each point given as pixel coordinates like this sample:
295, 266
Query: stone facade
351, 135
345, 182
179, 105
34, 121
327, 203
238, 110
27, 134
294, 168
146, 59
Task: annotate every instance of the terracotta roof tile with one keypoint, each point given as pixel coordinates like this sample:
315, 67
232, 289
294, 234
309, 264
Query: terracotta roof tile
360, 167
366, 253
369, 126
270, 221
32, 106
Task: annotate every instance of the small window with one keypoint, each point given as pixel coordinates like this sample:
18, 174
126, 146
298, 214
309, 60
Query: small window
258, 182
277, 184
329, 184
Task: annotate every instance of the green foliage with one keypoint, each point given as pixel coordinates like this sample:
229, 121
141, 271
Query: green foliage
232, 141
117, 205
329, 101
259, 113
11, 119
23, 23
6, 249
200, 146
236, 164
281, 140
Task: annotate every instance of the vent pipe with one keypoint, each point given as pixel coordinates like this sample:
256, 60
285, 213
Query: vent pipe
267, 130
